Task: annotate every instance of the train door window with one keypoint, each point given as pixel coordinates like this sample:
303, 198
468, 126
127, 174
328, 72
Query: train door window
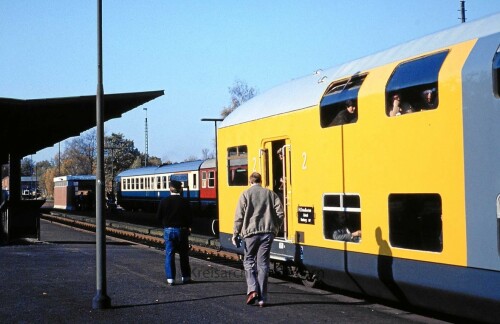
237, 162
342, 217
278, 168
211, 179
339, 103
415, 221
413, 85
195, 181
203, 179
496, 73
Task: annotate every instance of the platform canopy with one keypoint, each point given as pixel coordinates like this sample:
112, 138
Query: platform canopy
28, 126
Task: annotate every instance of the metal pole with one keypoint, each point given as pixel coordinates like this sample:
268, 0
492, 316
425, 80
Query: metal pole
462, 10
215, 120
101, 299
59, 160
146, 138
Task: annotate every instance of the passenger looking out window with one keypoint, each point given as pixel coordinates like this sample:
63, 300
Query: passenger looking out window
342, 232
413, 86
428, 99
347, 115
339, 103
342, 217
399, 107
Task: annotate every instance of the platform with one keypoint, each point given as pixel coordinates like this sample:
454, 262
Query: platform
53, 280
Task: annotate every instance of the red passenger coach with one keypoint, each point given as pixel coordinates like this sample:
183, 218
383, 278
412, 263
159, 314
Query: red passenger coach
208, 192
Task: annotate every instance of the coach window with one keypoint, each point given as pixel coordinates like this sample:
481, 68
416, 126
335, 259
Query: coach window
341, 217
204, 179
195, 181
211, 179
415, 221
339, 104
413, 85
237, 162
496, 73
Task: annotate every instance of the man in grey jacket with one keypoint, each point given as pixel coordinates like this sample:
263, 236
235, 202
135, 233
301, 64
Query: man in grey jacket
258, 218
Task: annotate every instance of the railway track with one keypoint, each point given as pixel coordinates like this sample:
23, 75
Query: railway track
202, 245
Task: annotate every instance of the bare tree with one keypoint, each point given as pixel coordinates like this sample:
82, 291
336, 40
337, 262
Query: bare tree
206, 154
80, 154
240, 92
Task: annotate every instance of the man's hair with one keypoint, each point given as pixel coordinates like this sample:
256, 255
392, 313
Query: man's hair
175, 186
255, 177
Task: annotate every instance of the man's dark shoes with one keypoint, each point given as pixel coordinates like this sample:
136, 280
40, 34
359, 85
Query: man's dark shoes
251, 298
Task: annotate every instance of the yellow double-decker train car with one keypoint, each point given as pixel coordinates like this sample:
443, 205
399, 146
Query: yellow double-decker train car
389, 170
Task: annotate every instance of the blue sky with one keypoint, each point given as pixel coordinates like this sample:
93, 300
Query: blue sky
195, 50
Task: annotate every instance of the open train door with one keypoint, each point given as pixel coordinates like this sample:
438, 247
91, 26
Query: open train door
276, 167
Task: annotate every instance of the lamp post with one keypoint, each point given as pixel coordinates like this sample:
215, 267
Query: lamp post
215, 120
101, 299
146, 138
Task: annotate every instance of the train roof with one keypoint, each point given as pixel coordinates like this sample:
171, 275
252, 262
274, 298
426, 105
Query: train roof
75, 178
166, 168
210, 163
307, 91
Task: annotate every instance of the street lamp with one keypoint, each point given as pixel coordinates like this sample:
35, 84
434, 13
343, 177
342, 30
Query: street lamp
215, 120
146, 138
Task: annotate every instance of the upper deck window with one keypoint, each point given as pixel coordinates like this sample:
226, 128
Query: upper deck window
414, 85
496, 73
339, 103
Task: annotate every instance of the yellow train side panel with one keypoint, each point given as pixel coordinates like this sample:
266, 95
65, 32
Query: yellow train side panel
377, 156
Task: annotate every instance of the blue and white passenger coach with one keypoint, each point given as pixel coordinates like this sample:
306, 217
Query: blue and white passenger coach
143, 188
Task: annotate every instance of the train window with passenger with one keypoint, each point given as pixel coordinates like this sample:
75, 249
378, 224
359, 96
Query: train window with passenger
237, 163
339, 103
413, 85
496, 73
342, 217
415, 221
